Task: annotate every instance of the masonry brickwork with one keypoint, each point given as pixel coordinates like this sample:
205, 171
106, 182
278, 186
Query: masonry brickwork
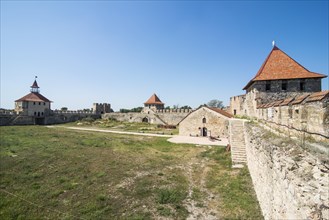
151, 115
290, 183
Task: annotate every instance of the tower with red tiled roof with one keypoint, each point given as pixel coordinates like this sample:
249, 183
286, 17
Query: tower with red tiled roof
280, 77
33, 104
281, 73
154, 102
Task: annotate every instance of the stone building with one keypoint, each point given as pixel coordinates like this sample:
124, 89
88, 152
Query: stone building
33, 104
278, 78
154, 103
205, 121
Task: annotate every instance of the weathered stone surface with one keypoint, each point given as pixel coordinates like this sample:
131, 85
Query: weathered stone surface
290, 183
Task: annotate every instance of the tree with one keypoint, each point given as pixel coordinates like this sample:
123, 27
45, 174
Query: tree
215, 103
64, 109
186, 107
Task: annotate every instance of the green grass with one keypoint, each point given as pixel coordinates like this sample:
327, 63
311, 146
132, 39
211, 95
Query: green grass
234, 187
55, 173
124, 126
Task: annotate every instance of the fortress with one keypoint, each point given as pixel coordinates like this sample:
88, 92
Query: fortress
283, 93
283, 96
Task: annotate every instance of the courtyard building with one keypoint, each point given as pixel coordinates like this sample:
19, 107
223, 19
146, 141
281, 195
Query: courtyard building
206, 121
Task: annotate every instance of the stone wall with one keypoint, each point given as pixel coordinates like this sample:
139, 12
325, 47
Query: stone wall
246, 105
56, 117
236, 105
290, 183
309, 117
292, 85
134, 117
162, 117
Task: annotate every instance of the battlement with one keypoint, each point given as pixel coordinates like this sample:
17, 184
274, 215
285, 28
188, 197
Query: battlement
101, 108
179, 110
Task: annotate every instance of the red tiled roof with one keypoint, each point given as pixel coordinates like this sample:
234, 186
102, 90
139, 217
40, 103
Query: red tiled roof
277, 103
33, 97
318, 96
286, 101
220, 111
260, 106
299, 99
154, 99
278, 65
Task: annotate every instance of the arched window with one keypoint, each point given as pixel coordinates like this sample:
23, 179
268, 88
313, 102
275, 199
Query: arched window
204, 120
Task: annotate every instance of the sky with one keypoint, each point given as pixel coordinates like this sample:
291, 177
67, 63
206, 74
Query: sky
121, 52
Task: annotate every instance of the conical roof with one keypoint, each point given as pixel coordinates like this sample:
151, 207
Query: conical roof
154, 99
35, 84
278, 65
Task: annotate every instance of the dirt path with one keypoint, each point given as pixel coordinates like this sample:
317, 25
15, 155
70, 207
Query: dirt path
200, 202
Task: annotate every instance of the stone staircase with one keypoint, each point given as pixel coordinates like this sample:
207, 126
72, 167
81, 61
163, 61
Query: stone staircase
237, 142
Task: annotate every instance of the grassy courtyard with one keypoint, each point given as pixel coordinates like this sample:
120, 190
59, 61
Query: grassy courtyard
55, 173
124, 126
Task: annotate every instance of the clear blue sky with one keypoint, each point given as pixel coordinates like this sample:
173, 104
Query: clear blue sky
122, 52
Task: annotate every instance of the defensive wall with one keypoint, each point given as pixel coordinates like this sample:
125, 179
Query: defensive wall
161, 116
55, 117
290, 183
306, 113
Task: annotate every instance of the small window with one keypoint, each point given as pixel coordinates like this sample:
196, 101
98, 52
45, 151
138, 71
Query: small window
302, 86
44, 103
204, 120
268, 86
234, 111
33, 103
35, 113
284, 85
39, 103
41, 113
297, 111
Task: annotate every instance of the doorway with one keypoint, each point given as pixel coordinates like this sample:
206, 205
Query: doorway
204, 132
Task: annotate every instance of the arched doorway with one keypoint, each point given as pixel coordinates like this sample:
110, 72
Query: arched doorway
146, 120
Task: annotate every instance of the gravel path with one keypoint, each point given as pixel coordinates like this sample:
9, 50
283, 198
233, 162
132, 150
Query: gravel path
172, 138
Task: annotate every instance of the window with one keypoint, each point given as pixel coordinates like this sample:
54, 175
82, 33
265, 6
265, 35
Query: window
33, 103
44, 103
39, 103
302, 85
204, 120
268, 86
35, 113
284, 85
234, 111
